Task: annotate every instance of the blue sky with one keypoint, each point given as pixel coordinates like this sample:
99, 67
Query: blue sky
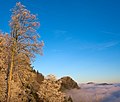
82, 37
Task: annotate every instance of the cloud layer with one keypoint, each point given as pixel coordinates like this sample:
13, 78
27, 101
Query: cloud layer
96, 93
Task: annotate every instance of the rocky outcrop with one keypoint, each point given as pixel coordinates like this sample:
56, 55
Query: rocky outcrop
104, 84
90, 83
68, 83
68, 99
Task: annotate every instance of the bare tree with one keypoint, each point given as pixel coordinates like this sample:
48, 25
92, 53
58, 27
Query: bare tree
23, 39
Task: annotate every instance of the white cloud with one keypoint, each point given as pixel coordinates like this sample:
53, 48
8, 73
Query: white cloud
107, 45
93, 93
98, 46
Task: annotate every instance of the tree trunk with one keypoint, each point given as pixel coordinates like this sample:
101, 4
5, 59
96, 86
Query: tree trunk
10, 77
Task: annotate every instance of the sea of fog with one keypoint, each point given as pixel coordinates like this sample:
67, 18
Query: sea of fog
96, 93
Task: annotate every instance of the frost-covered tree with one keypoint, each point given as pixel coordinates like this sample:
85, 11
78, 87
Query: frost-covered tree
50, 90
24, 43
4, 50
4, 63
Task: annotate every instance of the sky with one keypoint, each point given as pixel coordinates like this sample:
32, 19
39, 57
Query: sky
82, 37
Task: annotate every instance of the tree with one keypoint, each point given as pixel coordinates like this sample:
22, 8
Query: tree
24, 43
4, 54
50, 90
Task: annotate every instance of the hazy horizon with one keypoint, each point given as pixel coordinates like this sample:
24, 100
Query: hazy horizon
82, 38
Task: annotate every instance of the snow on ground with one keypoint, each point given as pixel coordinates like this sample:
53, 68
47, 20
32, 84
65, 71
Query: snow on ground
96, 93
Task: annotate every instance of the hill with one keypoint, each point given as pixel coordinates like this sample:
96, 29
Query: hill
27, 85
